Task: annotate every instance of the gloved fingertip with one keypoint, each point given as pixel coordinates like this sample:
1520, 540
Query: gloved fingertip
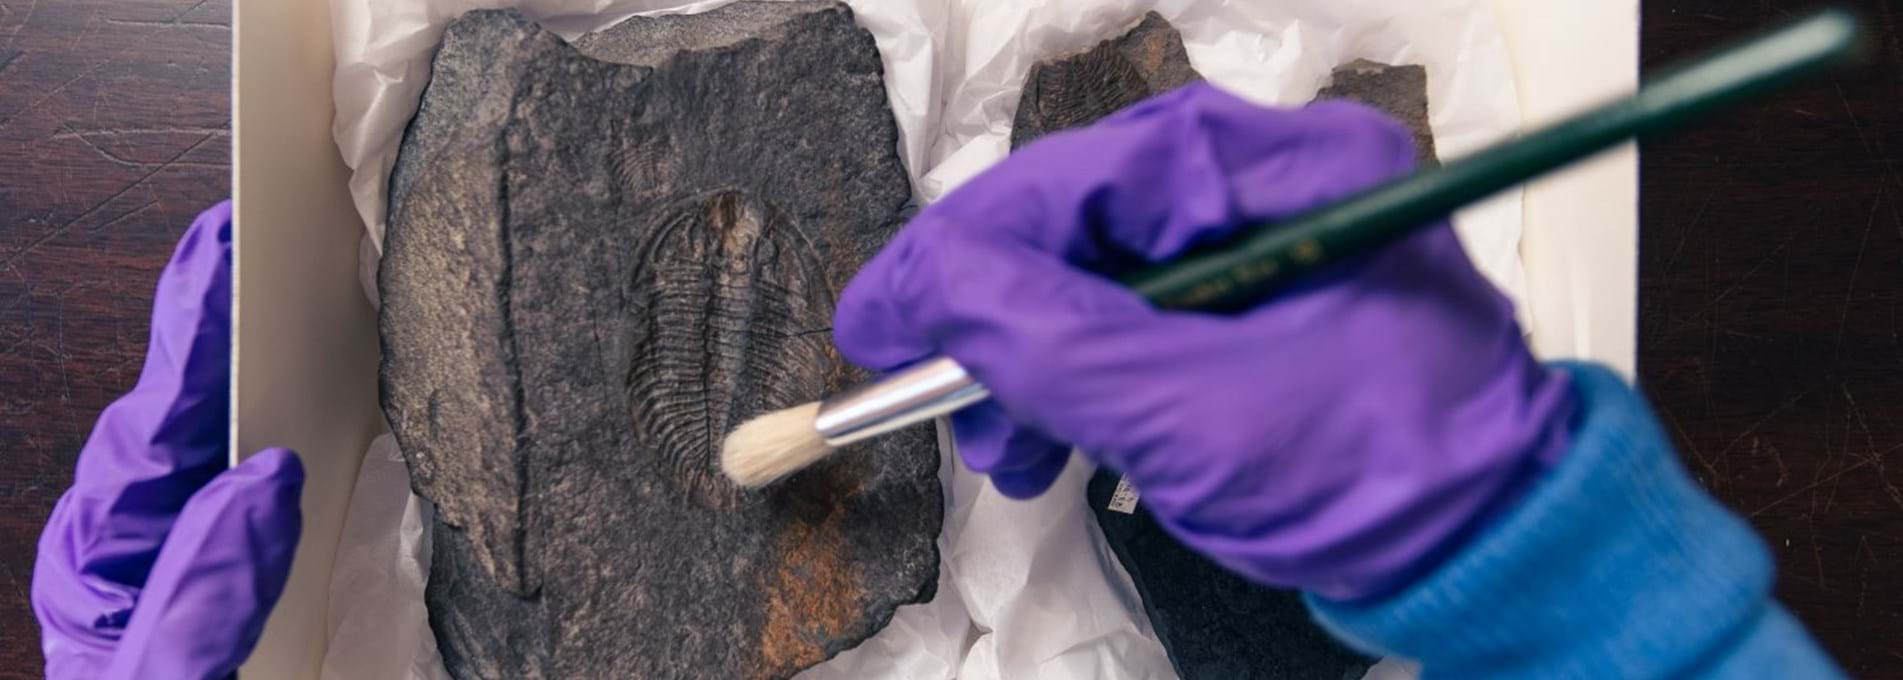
222, 569
1027, 462
206, 245
981, 432
275, 465
258, 500
272, 482
1029, 483
217, 220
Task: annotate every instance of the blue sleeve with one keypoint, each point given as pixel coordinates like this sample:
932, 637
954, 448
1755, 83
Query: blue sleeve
1615, 565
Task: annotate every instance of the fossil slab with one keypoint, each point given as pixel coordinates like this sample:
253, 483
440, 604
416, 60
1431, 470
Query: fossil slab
1077, 89
1399, 91
600, 258
1214, 624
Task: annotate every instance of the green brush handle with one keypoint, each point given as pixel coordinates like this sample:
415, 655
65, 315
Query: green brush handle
1243, 269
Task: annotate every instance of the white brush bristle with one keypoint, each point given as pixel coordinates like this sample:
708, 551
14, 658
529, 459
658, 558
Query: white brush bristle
773, 445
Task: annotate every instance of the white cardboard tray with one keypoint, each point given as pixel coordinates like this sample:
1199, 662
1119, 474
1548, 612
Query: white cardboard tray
306, 344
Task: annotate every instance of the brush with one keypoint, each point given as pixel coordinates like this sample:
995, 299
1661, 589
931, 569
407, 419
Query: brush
1243, 270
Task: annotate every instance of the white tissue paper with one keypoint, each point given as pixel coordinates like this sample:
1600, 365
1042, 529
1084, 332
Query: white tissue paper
378, 628
1027, 588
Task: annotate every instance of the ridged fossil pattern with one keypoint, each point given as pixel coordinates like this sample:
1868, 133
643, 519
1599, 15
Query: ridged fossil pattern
732, 309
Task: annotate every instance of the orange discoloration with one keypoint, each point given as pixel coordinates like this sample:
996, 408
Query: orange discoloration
812, 599
816, 597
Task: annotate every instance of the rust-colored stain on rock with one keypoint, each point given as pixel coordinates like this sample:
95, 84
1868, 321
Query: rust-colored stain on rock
812, 599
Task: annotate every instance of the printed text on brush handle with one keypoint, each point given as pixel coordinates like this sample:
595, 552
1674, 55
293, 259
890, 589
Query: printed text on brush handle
1237, 285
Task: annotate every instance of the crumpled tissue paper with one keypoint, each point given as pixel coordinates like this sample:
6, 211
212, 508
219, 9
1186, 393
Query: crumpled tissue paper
1027, 588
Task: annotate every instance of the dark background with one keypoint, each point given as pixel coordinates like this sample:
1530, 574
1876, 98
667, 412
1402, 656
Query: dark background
115, 125
1771, 279
1770, 283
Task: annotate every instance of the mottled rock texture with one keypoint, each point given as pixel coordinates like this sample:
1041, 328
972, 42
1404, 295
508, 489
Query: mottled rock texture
1399, 91
1077, 89
1214, 624
599, 259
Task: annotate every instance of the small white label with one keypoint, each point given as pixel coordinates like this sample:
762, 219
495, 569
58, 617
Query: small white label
1124, 499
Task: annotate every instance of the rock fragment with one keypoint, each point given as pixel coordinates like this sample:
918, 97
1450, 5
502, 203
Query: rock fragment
599, 259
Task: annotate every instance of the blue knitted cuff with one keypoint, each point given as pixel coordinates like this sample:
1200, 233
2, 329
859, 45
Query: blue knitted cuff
1614, 565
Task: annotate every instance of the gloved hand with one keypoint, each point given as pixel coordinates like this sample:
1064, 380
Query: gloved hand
1337, 438
159, 562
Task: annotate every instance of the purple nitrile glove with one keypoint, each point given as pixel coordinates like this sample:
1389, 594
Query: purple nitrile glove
1337, 438
159, 562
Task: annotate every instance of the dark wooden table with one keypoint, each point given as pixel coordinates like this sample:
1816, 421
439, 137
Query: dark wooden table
1771, 281
1770, 287
114, 133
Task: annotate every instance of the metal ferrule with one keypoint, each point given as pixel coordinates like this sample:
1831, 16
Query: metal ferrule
914, 395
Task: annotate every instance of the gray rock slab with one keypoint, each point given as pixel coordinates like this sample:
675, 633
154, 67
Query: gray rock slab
1399, 91
1078, 89
599, 259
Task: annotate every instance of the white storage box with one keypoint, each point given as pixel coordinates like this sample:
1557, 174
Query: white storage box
305, 356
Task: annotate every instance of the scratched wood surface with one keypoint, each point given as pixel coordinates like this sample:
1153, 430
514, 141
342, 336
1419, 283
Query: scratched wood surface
1771, 283
113, 135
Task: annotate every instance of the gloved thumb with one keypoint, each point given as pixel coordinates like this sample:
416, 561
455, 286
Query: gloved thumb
220, 571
